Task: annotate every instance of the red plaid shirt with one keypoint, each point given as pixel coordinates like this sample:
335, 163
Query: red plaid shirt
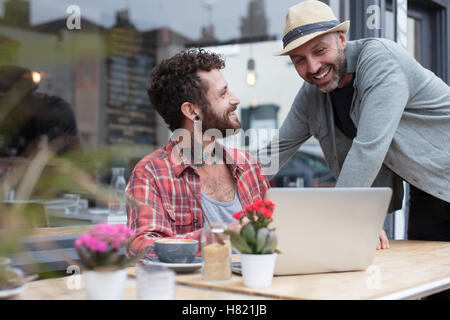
164, 206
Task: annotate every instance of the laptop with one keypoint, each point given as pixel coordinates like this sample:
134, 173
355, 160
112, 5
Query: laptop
323, 230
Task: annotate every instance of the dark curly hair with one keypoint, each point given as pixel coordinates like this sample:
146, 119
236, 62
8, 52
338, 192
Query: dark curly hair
175, 81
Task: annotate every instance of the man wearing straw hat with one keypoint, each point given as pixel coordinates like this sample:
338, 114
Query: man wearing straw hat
379, 116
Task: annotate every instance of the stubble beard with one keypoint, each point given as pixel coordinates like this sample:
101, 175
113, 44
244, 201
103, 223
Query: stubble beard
222, 123
339, 69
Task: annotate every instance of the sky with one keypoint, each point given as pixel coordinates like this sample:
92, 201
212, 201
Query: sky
184, 16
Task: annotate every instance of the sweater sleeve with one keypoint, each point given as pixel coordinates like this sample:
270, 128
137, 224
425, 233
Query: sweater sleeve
292, 134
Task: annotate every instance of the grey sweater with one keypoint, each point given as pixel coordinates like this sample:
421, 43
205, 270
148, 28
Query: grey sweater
401, 111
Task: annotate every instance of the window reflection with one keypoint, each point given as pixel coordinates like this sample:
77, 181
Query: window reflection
101, 69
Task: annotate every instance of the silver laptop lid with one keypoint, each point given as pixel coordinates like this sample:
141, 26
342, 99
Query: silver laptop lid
327, 229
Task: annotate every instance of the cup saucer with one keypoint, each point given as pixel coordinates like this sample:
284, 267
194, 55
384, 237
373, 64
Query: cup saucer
178, 267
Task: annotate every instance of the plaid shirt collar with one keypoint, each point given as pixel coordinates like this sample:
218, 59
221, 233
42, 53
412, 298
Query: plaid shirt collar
179, 162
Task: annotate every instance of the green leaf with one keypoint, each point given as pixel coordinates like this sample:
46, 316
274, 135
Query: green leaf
249, 234
238, 242
112, 258
271, 243
251, 216
127, 261
261, 239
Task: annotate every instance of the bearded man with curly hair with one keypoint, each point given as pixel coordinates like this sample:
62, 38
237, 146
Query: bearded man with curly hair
193, 179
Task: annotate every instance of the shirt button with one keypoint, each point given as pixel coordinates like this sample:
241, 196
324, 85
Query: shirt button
195, 191
195, 220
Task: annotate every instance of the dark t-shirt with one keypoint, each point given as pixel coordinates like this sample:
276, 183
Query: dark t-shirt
341, 99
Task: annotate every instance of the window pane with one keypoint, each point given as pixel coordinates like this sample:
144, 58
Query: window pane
415, 38
390, 31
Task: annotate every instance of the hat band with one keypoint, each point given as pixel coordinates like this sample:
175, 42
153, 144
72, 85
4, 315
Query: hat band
307, 29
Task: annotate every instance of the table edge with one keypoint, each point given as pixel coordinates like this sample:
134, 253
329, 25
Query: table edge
418, 291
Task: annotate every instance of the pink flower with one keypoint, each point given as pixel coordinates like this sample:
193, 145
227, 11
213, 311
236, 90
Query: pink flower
79, 243
103, 235
91, 243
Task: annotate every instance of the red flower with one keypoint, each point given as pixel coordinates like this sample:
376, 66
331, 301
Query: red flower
238, 215
251, 207
261, 240
269, 204
259, 203
264, 207
266, 212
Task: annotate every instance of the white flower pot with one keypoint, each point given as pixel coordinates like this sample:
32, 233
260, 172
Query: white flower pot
105, 285
257, 269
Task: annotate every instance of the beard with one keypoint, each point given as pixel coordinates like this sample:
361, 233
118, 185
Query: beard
220, 122
339, 69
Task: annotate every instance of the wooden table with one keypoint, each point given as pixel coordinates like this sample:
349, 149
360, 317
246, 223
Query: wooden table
408, 270
60, 231
58, 217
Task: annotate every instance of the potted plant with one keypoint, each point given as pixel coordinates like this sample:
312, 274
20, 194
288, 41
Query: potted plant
98, 250
256, 243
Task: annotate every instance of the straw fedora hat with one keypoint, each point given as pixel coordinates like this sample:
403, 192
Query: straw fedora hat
307, 20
